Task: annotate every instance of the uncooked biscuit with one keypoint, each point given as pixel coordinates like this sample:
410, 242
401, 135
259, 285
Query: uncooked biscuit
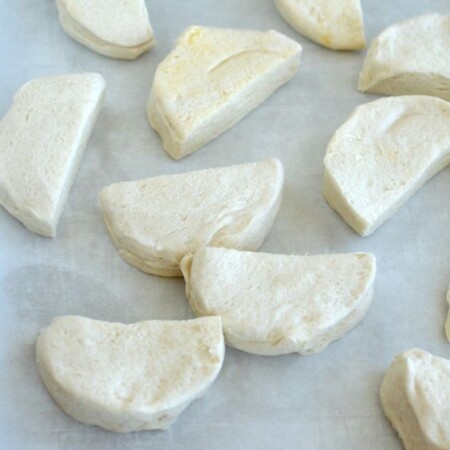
212, 79
155, 222
114, 28
129, 377
42, 139
277, 304
415, 395
410, 57
382, 155
337, 25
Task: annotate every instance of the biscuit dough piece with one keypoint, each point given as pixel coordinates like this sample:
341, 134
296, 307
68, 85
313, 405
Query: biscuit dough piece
212, 79
382, 155
155, 222
415, 395
114, 28
338, 25
447, 324
277, 304
410, 57
42, 139
129, 377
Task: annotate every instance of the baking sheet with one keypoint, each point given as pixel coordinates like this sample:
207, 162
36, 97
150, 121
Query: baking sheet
325, 401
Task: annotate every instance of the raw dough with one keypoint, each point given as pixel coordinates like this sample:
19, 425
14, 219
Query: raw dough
212, 79
42, 139
415, 395
155, 222
276, 304
114, 28
129, 377
410, 57
382, 155
337, 25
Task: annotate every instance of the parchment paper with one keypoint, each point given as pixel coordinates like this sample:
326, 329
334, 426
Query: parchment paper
327, 401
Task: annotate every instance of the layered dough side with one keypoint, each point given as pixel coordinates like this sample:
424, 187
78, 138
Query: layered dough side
117, 43
212, 79
155, 222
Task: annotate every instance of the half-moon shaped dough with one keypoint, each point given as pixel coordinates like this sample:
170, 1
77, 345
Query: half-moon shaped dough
42, 139
115, 28
382, 155
155, 222
277, 304
410, 57
129, 377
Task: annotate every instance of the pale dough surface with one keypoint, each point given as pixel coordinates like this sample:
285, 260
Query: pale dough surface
410, 57
114, 28
129, 377
81, 272
42, 139
415, 395
338, 25
212, 79
277, 304
382, 155
156, 221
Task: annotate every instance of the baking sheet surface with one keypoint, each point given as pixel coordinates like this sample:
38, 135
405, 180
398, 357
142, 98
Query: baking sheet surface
326, 401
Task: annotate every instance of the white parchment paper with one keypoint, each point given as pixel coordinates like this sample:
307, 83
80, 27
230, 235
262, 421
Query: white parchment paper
327, 401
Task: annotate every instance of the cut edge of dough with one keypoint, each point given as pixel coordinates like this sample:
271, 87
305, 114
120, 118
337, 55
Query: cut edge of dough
87, 132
